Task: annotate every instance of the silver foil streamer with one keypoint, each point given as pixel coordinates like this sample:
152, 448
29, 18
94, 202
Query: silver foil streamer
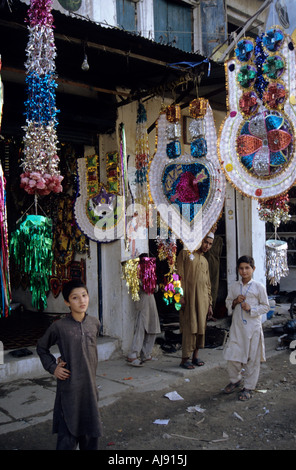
276, 261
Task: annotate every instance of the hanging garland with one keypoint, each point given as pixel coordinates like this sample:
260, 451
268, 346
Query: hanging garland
275, 210
167, 251
142, 154
276, 260
5, 294
31, 243
172, 291
147, 274
124, 177
40, 163
141, 163
31, 247
140, 272
130, 272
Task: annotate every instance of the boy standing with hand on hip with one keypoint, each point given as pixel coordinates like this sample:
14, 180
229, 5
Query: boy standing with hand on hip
247, 301
76, 415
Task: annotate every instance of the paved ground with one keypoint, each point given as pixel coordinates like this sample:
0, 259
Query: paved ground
131, 399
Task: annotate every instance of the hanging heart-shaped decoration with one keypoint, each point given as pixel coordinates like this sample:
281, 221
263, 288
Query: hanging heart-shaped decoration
188, 190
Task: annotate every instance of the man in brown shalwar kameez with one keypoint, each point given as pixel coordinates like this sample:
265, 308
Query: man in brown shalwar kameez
197, 301
76, 415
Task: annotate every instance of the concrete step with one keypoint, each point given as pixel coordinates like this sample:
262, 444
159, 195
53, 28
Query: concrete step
14, 368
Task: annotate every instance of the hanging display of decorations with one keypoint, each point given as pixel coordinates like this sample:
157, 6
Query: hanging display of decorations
31, 242
98, 213
142, 156
68, 239
275, 210
31, 247
1, 94
140, 273
147, 274
171, 287
124, 180
167, 251
41, 174
172, 291
5, 293
187, 190
62, 274
276, 260
256, 144
113, 172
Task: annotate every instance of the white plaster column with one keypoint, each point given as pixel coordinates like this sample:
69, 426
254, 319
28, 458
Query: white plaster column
245, 234
230, 227
251, 234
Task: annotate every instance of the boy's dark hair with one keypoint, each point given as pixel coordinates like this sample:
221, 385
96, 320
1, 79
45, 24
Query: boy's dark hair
69, 286
246, 259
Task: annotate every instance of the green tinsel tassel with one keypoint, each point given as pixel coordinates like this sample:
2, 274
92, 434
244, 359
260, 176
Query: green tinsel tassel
31, 247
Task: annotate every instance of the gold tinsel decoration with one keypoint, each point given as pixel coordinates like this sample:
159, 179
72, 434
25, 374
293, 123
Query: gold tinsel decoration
130, 274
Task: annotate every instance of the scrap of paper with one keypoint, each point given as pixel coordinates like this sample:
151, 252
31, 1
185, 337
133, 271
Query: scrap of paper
174, 396
192, 409
161, 421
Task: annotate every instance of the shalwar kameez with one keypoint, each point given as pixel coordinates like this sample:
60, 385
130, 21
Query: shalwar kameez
196, 284
147, 326
245, 347
76, 410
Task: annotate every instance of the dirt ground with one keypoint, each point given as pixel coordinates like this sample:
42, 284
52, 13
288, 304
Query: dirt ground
265, 422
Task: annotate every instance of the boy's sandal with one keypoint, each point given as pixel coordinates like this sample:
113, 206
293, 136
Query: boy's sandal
198, 362
187, 365
135, 362
231, 387
245, 394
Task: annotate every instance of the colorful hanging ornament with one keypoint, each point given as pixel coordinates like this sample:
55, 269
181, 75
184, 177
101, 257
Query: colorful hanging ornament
172, 291
147, 274
31, 247
1, 94
257, 145
5, 293
276, 260
188, 191
113, 172
275, 210
142, 155
100, 216
124, 179
167, 251
40, 163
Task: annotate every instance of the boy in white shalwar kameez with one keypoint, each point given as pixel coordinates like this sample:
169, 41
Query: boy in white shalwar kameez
247, 301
